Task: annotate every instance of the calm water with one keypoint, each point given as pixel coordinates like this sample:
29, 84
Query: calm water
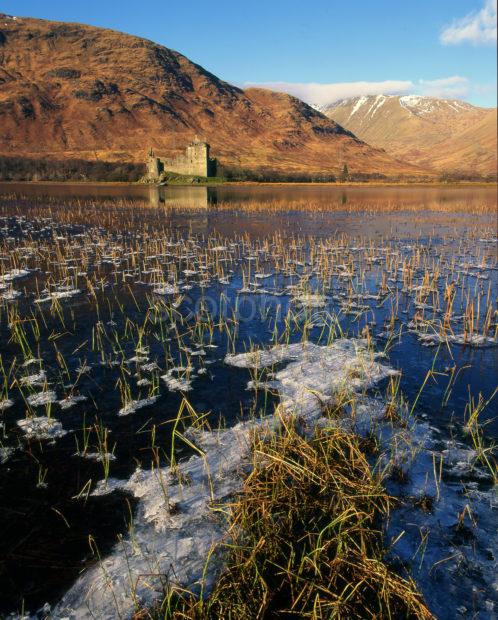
330, 196
44, 543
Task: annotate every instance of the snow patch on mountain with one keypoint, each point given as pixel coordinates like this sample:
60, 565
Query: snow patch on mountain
415, 104
358, 105
378, 103
418, 104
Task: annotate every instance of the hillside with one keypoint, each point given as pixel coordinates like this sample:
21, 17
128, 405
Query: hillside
75, 91
448, 135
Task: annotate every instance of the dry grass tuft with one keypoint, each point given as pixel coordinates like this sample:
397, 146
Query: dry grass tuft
305, 539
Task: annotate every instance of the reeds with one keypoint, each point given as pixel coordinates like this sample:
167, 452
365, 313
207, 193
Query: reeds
304, 538
117, 287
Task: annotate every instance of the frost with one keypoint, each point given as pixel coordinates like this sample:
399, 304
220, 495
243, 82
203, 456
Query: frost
149, 367
261, 358
14, 274
474, 340
311, 300
98, 457
316, 373
35, 379
5, 454
135, 405
5, 404
166, 289
70, 401
137, 359
10, 295
31, 361
177, 384
61, 294
463, 462
176, 535
174, 531
41, 428
42, 398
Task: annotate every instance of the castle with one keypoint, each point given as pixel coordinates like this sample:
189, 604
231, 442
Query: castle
195, 162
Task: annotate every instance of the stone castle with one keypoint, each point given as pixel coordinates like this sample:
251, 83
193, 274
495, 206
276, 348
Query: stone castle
195, 162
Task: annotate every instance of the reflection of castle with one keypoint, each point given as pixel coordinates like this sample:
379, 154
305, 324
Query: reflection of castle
185, 206
186, 197
195, 162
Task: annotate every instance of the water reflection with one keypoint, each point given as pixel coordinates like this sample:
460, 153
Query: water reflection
288, 196
187, 197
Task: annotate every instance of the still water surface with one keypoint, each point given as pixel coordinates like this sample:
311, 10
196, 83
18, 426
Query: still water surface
44, 544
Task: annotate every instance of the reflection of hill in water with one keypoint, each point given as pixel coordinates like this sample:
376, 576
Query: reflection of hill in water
265, 197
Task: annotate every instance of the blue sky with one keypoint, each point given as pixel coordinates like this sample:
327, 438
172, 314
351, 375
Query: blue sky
319, 50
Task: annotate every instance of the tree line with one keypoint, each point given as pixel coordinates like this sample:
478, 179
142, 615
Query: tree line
27, 169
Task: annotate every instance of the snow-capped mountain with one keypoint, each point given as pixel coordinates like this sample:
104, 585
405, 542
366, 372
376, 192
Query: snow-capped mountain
445, 134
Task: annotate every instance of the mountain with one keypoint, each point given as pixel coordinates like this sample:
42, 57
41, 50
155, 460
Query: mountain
443, 134
74, 91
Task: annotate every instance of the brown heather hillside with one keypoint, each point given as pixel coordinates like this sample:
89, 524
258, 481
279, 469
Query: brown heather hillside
447, 135
70, 90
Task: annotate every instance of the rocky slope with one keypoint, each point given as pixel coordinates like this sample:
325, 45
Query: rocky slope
438, 133
70, 90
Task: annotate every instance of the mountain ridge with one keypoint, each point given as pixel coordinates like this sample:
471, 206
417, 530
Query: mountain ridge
77, 91
442, 134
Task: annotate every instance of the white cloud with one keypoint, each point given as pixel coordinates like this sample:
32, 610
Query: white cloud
485, 90
478, 28
456, 87
323, 94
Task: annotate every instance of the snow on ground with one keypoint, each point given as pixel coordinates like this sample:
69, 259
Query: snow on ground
419, 104
378, 103
358, 105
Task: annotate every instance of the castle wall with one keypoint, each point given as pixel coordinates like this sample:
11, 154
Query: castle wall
195, 162
191, 163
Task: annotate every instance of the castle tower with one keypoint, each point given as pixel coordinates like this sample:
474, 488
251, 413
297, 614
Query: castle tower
153, 165
198, 157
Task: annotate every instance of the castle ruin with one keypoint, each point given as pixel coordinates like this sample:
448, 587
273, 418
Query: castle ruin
195, 162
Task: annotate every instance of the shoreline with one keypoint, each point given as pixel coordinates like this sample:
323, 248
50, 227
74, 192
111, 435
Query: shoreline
367, 184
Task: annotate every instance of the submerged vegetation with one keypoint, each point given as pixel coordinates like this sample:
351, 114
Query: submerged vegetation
270, 414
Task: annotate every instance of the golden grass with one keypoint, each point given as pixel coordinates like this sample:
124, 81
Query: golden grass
304, 540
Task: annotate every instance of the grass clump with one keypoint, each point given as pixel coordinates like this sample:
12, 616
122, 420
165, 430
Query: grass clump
305, 538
